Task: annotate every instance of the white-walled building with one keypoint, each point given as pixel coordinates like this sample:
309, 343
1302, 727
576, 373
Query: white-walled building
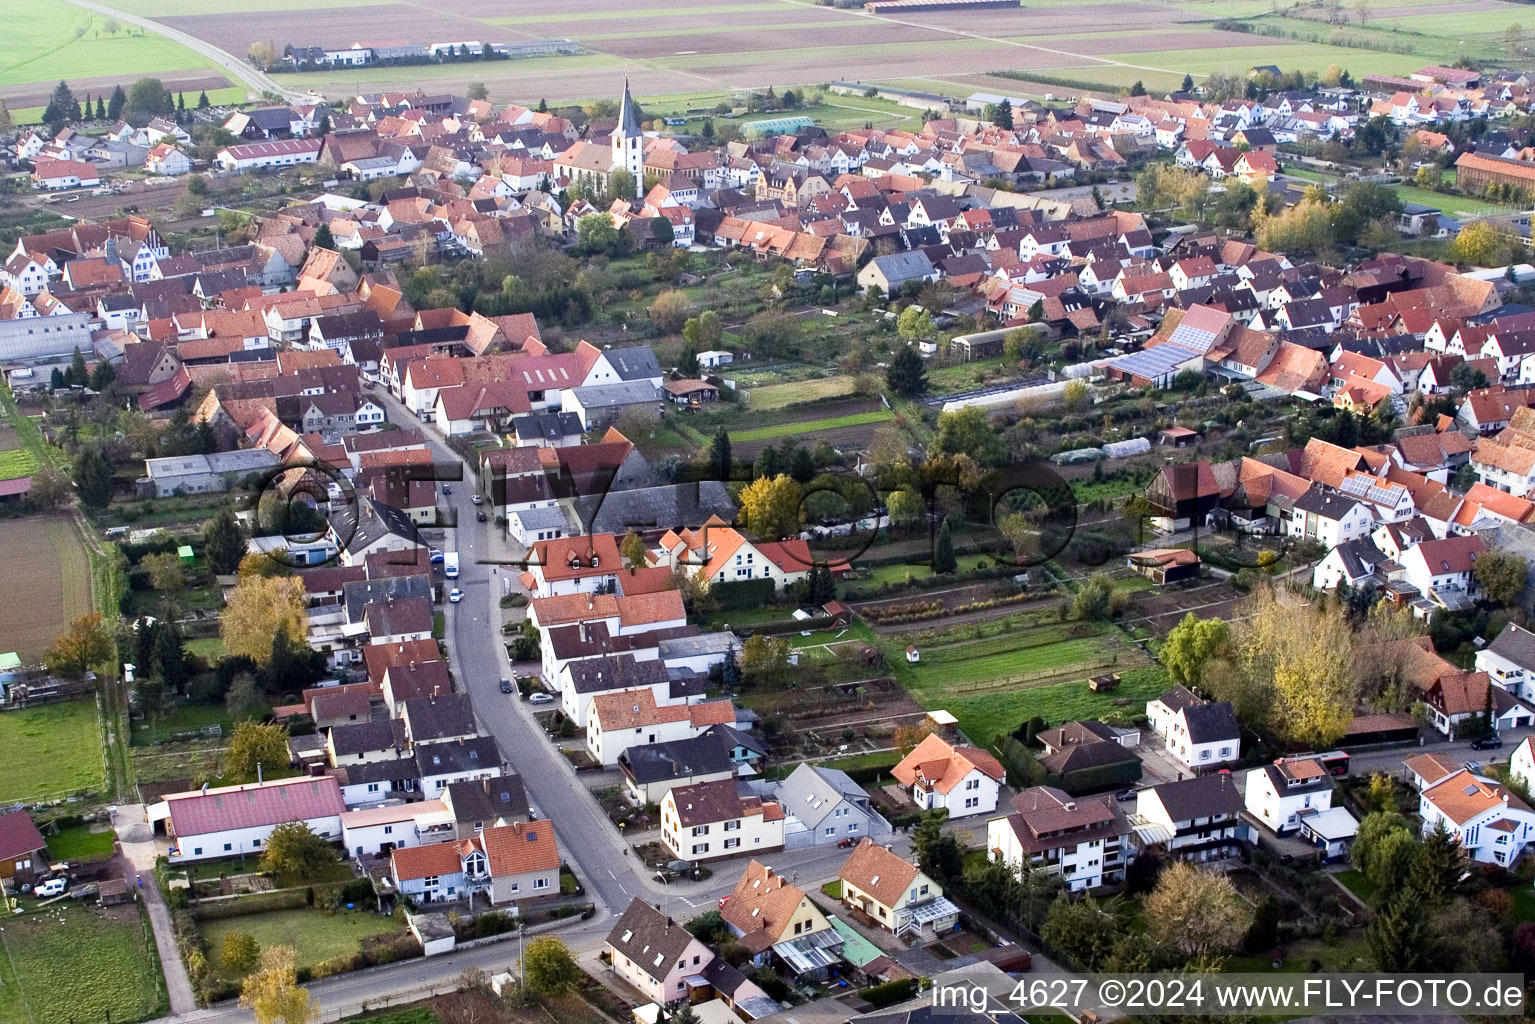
1509, 661
1081, 839
377, 831
234, 820
962, 780
1281, 795
713, 819
1491, 824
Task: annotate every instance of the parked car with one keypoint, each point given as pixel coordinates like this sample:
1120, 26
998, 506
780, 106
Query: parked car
52, 887
541, 698
480, 516
1125, 795
506, 686
1493, 742
478, 499
447, 488
1474, 767
436, 557
455, 595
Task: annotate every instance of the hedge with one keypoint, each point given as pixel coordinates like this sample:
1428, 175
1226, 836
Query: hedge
740, 594
890, 992
261, 902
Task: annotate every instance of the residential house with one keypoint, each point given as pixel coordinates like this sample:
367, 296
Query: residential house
230, 820
709, 820
893, 893
615, 721
823, 806
1081, 839
1195, 819
768, 915
963, 780
23, 851
1492, 825
1202, 735
1509, 661
656, 954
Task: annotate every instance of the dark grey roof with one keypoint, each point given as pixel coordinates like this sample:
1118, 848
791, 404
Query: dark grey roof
733, 737
1328, 504
393, 770
1515, 644
652, 941
551, 426
677, 759
485, 800
1210, 723
1282, 786
899, 267
606, 396
671, 507
703, 644
1360, 557
634, 363
629, 115
1180, 697
1087, 755
615, 672
359, 595
372, 520
444, 716
478, 754
812, 792
394, 616
367, 737
1204, 796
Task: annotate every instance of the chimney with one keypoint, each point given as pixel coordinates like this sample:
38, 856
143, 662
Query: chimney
435, 690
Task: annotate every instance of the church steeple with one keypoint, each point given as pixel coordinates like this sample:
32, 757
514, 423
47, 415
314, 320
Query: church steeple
628, 141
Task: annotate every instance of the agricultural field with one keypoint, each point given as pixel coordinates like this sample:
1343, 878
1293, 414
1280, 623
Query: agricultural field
70, 963
857, 419
49, 752
49, 40
15, 461
48, 552
315, 934
776, 396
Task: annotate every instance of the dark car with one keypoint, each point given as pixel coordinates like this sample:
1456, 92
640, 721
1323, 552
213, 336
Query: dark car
506, 686
1487, 743
480, 516
1125, 795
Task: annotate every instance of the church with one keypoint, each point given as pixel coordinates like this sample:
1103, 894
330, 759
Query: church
595, 162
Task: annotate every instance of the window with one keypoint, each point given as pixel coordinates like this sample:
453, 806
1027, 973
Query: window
700, 830
227, 847
540, 883
255, 842
831, 830
430, 881
516, 886
197, 851
731, 844
732, 826
700, 847
852, 827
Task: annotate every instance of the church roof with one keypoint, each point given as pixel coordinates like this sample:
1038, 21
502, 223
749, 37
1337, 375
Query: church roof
629, 115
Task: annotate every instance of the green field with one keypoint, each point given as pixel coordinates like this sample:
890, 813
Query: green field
1237, 59
315, 934
856, 419
78, 842
776, 396
1455, 206
48, 40
49, 751
984, 717
72, 964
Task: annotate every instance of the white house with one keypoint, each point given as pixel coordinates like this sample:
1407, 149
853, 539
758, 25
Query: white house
1509, 661
1196, 819
1200, 734
257, 155
1082, 839
376, 831
233, 820
962, 780
894, 893
713, 819
1280, 795
1441, 569
168, 160
505, 863
1354, 562
1329, 518
1492, 825
619, 720
1521, 763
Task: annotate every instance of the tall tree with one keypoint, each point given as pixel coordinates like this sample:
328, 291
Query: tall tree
296, 853
323, 239
87, 644
906, 375
5, 117
1191, 645
944, 561
77, 375
1004, 118
62, 107
223, 541
165, 570
1437, 870
633, 551
170, 658
273, 992
259, 608
116, 102
254, 750
719, 454
1197, 911
1188, 83
771, 507
202, 100
1398, 938
1301, 657
93, 477
1502, 575
148, 98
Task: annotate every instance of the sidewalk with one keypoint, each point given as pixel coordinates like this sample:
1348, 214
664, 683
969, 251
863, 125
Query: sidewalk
138, 842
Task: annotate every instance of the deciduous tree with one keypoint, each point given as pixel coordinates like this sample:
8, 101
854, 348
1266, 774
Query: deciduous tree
633, 551
239, 952
1485, 244
165, 571
771, 507
51, 487
1301, 657
254, 744
671, 310
1502, 575
273, 993
1197, 911
765, 661
257, 609
87, 644
1191, 645
548, 968
297, 854
969, 431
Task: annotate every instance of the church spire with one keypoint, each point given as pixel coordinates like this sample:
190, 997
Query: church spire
629, 114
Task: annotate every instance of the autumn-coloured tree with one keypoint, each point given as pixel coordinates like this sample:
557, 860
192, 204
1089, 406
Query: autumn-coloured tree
1299, 658
273, 993
1197, 911
771, 507
254, 750
165, 570
85, 645
258, 609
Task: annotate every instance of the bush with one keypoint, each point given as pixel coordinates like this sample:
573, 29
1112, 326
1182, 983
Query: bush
890, 992
740, 594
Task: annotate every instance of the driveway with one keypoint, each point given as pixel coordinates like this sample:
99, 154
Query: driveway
137, 839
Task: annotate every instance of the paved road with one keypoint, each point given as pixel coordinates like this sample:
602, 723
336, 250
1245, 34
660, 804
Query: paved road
238, 69
138, 842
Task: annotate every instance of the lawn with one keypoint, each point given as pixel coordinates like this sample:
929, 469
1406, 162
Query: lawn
210, 647
72, 964
1455, 206
46, 40
47, 552
856, 419
181, 718
1358, 884
984, 717
49, 752
315, 934
963, 668
78, 842
776, 396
